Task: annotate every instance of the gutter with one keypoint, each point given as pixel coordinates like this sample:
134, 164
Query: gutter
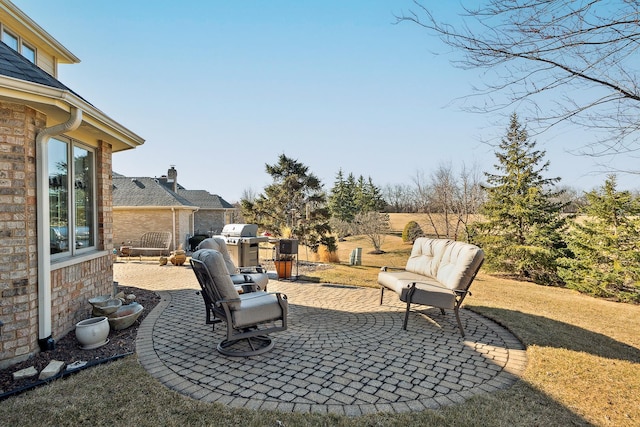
45, 341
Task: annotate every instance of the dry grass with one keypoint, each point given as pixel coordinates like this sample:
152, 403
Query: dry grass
583, 368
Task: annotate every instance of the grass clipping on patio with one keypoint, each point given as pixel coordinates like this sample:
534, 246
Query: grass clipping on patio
583, 369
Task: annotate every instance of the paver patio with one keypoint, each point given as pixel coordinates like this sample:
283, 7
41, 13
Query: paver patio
343, 352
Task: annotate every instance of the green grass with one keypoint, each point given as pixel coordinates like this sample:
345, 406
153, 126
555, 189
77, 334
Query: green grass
583, 369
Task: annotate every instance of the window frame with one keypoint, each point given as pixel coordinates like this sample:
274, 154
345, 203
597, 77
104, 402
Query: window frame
20, 44
71, 203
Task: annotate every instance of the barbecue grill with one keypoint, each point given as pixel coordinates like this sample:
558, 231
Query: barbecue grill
243, 242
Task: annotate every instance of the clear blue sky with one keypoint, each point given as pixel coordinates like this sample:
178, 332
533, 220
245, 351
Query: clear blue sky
221, 88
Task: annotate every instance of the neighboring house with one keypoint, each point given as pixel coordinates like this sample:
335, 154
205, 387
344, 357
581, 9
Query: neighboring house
142, 204
55, 192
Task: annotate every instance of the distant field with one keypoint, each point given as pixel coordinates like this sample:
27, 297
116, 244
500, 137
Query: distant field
399, 220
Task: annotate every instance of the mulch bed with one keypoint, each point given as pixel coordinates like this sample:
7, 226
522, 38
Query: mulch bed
68, 350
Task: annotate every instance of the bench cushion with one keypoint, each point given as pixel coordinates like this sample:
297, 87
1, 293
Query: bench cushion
428, 291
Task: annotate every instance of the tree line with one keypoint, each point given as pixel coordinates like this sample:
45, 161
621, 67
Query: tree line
524, 221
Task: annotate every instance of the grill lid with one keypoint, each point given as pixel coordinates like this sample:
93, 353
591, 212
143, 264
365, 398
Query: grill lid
240, 230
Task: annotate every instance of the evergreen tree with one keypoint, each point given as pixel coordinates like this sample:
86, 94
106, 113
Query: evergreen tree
294, 201
605, 246
342, 198
522, 230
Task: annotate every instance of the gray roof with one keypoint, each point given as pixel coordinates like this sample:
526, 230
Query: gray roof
12, 64
144, 191
205, 200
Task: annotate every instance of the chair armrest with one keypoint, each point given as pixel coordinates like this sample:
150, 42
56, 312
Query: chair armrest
264, 294
251, 269
226, 301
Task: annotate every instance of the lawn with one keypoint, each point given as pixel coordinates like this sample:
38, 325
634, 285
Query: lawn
583, 368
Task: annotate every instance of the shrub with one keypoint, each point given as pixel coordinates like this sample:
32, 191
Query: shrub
328, 256
411, 232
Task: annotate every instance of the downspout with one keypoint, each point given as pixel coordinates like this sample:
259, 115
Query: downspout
45, 340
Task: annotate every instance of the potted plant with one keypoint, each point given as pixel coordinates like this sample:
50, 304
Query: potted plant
284, 261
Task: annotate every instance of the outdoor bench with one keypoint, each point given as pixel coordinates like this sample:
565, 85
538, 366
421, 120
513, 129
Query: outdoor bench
438, 274
150, 242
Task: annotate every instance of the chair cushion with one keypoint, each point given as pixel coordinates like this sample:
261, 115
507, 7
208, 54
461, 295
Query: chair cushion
218, 244
221, 278
458, 265
428, 290
426, 255
258, 307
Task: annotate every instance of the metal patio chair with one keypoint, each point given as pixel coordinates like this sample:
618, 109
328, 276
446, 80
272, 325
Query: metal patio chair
249, 317
240, 276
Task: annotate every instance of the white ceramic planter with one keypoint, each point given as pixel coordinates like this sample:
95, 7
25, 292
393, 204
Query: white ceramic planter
92, 333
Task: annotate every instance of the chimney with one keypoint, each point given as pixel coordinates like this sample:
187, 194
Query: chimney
172, 177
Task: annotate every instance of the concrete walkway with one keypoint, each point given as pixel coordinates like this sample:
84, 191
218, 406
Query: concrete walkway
343, 352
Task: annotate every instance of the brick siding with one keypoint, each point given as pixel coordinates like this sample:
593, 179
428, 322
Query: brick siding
72, 285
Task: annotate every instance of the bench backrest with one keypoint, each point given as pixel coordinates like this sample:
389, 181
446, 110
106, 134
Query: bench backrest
454, 264
156, 239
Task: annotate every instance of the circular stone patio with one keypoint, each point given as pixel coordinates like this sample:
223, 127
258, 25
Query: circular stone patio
342, 353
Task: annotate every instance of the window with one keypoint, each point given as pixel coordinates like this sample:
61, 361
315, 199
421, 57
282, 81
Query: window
15, 43
72, 204
29, 53
10, 40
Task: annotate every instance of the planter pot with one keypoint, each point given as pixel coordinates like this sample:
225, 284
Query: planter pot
92, 333
125, 316
283, 268
178, 257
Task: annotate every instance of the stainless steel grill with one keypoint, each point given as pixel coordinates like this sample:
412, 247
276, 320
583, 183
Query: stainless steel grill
243, 243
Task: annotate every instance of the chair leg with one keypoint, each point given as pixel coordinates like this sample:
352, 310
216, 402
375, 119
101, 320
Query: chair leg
381, 293
406, 316
412, 289
459, 322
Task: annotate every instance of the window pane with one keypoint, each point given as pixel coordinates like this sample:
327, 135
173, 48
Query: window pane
10, 40
83, 196
58, 196
29, 53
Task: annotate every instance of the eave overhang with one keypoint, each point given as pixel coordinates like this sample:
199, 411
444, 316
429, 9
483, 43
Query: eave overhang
56, 104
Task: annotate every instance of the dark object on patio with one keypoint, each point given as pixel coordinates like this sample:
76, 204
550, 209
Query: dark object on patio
250, 317
240, 276
438, 273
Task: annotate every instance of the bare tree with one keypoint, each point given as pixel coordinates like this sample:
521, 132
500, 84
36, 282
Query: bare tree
582, 54
421, 191
374, 225
453, 200
399, 198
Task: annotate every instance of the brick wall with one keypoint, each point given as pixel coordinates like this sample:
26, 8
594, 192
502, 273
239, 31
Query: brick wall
72, 285
207, 220
130, 224
19, 126
105, 195
71, 288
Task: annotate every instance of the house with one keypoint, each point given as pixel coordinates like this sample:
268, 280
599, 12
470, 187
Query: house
56, 212
142, 204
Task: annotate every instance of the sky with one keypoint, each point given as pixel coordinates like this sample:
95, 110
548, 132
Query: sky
219, 89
